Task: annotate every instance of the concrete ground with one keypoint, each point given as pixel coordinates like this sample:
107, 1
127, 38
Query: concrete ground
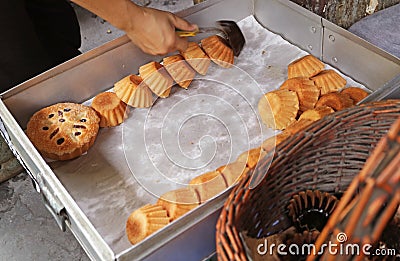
27, 230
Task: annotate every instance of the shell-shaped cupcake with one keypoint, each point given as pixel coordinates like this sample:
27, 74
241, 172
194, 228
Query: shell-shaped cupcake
296, 82
356, 94
251, 157
197, 58
145, 221
297, 126
233, 172
208, 185
306, 66
316, 113
133, 91
157, 78
178, 202
218, 50
179, 70
278, 109
335, 100
329, 81
110, 108
307, 91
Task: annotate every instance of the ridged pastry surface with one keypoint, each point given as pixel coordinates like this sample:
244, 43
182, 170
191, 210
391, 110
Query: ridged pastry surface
197, 58
110, 108
133, 91
306, 66
179, 70
156, 78
218, 50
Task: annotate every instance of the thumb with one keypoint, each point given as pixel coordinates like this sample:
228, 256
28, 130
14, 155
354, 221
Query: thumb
183, 24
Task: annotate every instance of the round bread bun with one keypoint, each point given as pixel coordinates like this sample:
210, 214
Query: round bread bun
63, 131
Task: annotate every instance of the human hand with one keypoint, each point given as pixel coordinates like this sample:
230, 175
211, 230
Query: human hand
154, 31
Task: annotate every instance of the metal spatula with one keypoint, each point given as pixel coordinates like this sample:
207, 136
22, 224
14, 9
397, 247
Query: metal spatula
229, 30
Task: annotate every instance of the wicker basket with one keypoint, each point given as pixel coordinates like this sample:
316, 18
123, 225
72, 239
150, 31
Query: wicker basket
325, 156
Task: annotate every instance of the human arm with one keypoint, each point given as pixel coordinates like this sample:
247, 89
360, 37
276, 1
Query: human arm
150, 29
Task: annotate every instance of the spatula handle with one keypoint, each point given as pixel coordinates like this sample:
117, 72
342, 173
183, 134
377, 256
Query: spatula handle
200, 30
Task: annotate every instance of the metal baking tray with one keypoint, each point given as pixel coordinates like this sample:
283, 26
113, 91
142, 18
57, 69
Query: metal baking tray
94, 194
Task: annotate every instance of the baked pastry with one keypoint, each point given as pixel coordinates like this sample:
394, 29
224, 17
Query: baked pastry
307, 91
329, 81
178, 202
196, 58
355, 93
110, 108
251, 157
296, 82
208, 185
298, 126
145, 221
218, 50
179, 70
335, 100
278, 108
157, 78
306, 66
233, 172
133, 91
316, 113
63, 131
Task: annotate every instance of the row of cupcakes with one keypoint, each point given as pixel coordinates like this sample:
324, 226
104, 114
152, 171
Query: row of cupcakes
154, 77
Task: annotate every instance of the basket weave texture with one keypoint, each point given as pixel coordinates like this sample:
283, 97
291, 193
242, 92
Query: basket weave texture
325, 156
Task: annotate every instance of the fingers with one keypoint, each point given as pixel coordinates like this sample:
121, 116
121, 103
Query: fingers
183, 24
181, 43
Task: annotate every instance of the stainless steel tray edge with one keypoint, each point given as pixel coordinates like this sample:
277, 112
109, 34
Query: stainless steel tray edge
188, 241
55, 196
332, 44
365, 62
294, 23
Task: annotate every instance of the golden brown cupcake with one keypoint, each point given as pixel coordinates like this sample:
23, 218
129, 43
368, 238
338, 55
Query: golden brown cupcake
197, 58
251, 157
233, 172
317, 113
329, 81
356, 94
178, 202
179, 70
63, 131
298, 126
133, 91
218, 50
208, 185
145, 221
306, 66
278, 108
296, 82
307, 91
157, 78
335, 100
110, 108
